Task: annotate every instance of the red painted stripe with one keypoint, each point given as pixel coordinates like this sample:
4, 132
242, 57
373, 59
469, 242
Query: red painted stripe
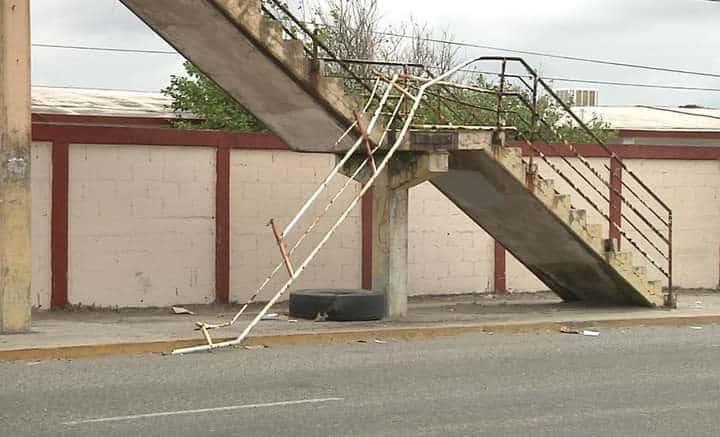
693, 153
222, 225
366, 214
634, 151
615, 199
59, 225
708, 135
499, 269
154, 136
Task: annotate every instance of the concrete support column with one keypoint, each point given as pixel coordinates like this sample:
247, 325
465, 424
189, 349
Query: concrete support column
390, 245
15, 137
390, 220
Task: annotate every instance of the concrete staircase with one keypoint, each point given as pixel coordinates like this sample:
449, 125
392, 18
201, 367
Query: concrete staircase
540, 227
249, 56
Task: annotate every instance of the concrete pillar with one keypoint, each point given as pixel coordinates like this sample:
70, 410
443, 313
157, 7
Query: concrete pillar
15, 137
390, 244
390, 220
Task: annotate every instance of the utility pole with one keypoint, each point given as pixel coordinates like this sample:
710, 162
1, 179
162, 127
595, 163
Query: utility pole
15, 137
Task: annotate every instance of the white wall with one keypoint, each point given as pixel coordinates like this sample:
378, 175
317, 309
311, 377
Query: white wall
448, 253
692, 190
275, 184
40, 223
141, 226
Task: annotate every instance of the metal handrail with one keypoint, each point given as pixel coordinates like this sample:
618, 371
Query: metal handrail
455, 105
539, 83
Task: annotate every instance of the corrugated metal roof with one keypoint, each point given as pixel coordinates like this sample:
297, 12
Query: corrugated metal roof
655, 118
75, 101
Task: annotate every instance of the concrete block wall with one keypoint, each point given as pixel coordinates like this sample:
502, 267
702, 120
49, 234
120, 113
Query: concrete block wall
692, 190
275, 184
448, 253
141, 225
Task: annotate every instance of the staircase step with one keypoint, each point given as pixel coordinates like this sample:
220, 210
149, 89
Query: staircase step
332, 85
295, 56
610, 245
512, 161
545, 190
247, 12
513, 151
622, 261
561, 205
578, 219
270, 29
656, 287
640, 272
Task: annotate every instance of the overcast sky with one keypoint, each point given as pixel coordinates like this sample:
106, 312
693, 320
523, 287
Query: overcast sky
682, 34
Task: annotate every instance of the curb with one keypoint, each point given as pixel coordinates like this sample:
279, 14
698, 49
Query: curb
347, 335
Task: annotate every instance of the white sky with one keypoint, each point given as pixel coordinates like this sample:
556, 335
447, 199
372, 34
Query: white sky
682, 34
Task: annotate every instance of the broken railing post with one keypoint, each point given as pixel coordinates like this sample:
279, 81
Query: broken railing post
283, 250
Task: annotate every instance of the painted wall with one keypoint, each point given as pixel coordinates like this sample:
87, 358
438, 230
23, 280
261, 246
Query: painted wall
40, 224
275, 184
448, 253
142, 226
692, 190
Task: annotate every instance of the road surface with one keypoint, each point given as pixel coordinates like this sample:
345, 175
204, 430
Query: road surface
640, 381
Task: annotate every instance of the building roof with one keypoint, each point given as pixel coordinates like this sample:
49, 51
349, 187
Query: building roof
99, 102
654, 118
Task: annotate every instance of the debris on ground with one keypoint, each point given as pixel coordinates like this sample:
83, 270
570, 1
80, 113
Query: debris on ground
320, 317
182, 310
378, 341
256, 346
696, 328
271, 316
698, 305
585, 332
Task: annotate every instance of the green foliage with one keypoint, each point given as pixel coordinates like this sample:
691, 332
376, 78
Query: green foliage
471, 107
195, 93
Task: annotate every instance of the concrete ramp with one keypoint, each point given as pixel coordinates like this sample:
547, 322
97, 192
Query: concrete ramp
542, 230
248, 56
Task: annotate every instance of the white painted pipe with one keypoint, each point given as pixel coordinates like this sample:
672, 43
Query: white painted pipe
340, 220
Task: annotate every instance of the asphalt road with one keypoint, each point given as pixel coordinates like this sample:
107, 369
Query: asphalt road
633, 382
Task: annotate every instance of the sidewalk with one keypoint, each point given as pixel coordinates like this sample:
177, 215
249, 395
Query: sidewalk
68, 334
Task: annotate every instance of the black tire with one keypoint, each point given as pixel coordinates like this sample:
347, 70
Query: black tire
337, 305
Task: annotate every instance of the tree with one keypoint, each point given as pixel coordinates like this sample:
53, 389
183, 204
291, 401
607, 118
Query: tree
195, 93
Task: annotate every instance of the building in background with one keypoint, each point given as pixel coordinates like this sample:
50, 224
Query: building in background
579, 96
658, 125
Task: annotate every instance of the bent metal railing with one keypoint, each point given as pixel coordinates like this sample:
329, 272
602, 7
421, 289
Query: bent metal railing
388, 97
391, 88
392, 97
